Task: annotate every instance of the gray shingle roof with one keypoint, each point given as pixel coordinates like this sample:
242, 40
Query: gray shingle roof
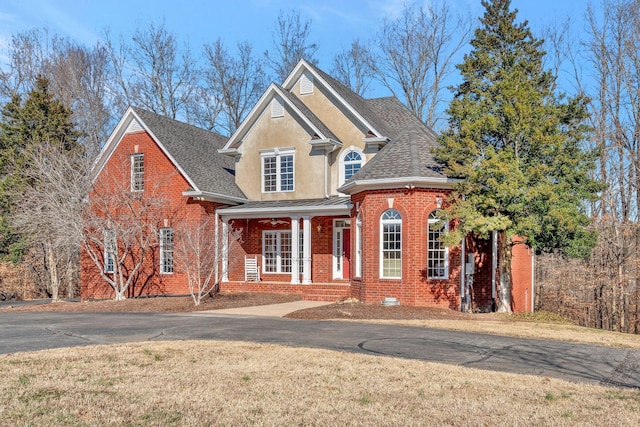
275, 204
409, 154
360, 104
196, 151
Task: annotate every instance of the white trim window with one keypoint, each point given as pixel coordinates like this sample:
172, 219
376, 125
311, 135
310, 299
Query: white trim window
437, 252
166, 250
137, 172
359, 245
351, 161
110, 251
277, 171
276, 251
391, 245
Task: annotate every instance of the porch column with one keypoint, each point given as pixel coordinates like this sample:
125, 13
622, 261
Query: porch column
306, 250
295, 250
225, 249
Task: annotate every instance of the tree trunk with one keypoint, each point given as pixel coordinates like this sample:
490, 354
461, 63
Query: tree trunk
53, 270
504, 268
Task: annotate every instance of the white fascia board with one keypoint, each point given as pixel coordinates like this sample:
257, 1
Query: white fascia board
393, 183
288, 83
256, 112
271, 212
213, 197
116, 137
113, 140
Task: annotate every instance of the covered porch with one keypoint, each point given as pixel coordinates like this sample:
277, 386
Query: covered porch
288, 246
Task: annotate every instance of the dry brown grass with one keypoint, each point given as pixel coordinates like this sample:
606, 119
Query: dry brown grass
238, 384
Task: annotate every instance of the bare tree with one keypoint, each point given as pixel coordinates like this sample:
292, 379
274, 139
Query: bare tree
153, 72
238, 82
352, 67
51, 209
415, 55
121, 229
77, 76
291, 42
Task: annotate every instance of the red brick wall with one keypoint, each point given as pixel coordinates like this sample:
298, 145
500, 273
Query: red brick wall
162, 181
521, 278
414, 288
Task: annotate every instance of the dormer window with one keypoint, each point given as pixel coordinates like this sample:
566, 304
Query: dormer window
137, 172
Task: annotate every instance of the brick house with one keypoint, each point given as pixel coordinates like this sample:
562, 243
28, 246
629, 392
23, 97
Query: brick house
320, 193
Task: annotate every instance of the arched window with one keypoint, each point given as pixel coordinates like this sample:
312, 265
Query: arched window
391, 244
437, 252
351, 161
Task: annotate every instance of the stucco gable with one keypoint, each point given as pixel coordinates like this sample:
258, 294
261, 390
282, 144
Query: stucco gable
317, 129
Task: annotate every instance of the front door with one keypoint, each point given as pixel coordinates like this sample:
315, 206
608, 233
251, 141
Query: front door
341, 249
346, 252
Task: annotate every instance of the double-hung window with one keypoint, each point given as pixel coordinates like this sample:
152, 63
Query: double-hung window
277, 170
137, 172
437, 252
276, 251
166, 250
110, 251
391, 245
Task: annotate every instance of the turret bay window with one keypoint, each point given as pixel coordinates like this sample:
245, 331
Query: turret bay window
277, 170
166, 250
137, 172
391, 245
437, 252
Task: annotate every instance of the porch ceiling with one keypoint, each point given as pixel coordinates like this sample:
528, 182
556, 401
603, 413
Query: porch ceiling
284, 208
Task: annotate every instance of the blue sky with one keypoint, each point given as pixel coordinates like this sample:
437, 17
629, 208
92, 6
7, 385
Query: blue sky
334, 22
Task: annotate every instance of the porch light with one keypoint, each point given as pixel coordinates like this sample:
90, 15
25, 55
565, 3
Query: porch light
274, 222
319, 228
439, 202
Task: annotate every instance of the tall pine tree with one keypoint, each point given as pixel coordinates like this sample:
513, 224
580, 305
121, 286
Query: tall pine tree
40, 119
516, 145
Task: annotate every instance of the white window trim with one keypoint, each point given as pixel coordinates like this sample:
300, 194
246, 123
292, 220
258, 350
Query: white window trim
338, 259
278, 153
358, 272
433, 220
134, 174
279, 258
381, 254
109, 241
164, 269
343, 155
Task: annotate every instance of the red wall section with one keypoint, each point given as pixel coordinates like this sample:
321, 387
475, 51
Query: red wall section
162, 181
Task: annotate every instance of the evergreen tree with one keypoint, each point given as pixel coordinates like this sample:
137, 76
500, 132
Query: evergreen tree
40, 119
516, 145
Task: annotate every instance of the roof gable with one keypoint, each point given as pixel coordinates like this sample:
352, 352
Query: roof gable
352, 102
319, 129
193, 151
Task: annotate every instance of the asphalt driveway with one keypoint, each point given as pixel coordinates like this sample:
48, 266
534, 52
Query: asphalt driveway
574, 362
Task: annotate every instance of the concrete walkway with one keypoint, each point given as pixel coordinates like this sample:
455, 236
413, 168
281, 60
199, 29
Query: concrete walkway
273, 310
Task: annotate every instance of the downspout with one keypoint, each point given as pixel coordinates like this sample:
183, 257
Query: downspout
494, 267
326, 174
463, 249
216, 253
